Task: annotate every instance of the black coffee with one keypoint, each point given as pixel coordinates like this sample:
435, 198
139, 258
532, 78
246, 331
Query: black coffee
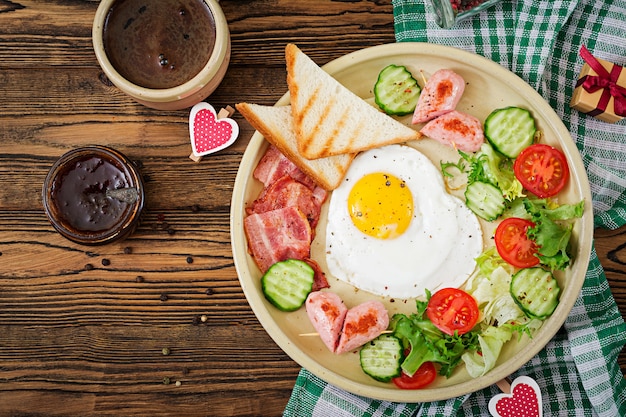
159, 43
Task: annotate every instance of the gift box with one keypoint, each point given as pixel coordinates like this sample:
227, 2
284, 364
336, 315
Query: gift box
601, 89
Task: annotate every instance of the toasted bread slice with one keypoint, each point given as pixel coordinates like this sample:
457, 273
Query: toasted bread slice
329, 119
275, 124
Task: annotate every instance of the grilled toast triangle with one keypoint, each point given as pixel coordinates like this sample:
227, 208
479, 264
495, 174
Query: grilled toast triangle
331, 120
275, 124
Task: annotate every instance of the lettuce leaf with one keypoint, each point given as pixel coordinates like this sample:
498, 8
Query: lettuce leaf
489, 166
429, 344
491, 340
551, 232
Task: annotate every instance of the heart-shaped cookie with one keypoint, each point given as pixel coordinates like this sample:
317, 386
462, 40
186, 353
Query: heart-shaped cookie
523, 401
207, 132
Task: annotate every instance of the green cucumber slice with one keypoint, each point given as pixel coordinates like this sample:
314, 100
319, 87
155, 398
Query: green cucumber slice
485, 199
286, 284
396, 91
510, 130
381, 357
535, 291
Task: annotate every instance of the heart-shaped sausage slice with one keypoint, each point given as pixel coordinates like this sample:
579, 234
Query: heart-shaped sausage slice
523, 401
209, 134
362, 324
327, 312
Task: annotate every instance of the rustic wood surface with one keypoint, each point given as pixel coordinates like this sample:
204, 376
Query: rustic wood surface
82, 329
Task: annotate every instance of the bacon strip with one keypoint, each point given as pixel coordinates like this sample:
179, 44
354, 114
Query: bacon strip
277, 235
287, 192
281, 221
274, 165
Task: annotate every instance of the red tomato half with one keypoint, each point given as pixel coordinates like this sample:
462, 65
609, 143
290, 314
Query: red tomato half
513, 244
542, 170
452, 309
422, 377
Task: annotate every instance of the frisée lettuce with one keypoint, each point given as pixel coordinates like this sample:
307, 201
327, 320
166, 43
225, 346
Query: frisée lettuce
552, 230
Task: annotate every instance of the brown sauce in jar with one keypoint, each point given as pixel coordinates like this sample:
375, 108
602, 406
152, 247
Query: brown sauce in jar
159, 43
79, 194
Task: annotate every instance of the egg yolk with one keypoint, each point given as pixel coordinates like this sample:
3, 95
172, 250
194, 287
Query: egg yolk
381, 205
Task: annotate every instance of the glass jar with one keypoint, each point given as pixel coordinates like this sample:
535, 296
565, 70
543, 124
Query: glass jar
449, 12
93, 195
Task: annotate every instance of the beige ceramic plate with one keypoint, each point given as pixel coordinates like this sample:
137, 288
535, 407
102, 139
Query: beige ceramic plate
489, 86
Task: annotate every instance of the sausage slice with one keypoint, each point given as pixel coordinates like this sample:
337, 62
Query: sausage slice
440, 95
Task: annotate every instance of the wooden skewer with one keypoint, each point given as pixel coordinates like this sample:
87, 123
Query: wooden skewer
504, 385
423, 77
317, 334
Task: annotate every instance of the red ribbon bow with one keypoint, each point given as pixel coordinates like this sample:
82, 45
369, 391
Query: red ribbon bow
606, 81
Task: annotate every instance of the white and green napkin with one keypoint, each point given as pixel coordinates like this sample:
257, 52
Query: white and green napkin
577, 371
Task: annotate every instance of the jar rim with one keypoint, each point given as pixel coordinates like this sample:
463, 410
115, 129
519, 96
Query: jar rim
128, 219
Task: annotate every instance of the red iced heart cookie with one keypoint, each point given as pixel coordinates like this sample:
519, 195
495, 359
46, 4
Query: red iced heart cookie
208, 133
523, 401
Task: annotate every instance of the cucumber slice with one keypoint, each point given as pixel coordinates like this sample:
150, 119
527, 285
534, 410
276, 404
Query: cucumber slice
510, 130
287, 284
485, 199
535, 291
396, 91
381, 357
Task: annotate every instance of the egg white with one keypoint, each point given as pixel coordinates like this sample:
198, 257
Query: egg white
438, 249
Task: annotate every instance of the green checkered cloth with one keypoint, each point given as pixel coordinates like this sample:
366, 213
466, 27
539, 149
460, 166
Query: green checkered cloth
538, 40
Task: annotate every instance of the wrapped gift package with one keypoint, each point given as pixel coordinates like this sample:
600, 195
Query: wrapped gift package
601, 89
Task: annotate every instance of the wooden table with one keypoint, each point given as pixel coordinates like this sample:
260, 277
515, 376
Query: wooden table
100, 331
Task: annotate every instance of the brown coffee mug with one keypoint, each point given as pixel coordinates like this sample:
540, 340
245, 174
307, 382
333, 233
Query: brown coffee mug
165, 54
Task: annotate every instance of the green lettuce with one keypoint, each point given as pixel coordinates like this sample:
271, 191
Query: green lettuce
552, 230
487, 165
429, 344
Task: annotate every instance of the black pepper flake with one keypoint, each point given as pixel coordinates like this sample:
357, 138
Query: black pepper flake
195, 208
189, 260
163, 297
139, 278
88, 267
106, 262
210, 291
196, 320
171, 231
128, 250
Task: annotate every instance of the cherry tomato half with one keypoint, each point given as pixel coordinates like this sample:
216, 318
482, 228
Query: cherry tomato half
452, 309
424, 375
513, 244
542, 170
